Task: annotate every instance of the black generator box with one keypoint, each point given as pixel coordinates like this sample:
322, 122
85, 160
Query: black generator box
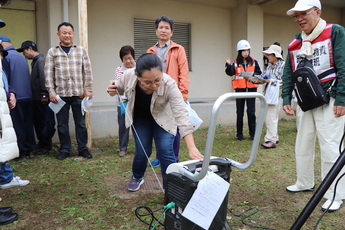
180, 189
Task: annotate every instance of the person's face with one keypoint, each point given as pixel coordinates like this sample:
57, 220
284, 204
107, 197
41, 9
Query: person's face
271, 58
128, 61
150, 80
164, 31
28, 54
245, 53
307, 20
66, 35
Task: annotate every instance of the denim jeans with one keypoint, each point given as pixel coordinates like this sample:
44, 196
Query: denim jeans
144, 132
62, 118
6, 173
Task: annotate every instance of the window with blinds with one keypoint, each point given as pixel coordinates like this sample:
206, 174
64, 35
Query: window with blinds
145, 36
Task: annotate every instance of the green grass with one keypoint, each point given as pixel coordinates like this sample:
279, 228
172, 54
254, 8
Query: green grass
77, 193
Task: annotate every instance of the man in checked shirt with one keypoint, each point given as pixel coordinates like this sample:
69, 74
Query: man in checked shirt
68, 75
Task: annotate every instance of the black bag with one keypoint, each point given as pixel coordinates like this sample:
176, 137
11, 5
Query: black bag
308, 90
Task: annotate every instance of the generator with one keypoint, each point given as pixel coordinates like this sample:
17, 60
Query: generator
179, 189
182, 178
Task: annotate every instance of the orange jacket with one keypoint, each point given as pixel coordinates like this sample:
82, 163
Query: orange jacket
241, 83
176, 66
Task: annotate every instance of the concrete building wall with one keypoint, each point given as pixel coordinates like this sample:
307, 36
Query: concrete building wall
216, 27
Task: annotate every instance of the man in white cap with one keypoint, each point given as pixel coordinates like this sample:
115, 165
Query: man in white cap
324, 45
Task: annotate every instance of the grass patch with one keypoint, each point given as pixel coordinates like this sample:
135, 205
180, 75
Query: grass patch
77, 193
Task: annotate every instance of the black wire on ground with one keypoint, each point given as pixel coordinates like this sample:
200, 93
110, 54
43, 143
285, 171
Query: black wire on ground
158, 223
148, 213
243, 217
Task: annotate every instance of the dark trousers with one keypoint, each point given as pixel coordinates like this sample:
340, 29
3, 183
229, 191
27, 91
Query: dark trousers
176, 145
23, 125
123, 131
62, 118
240, 103
43, 116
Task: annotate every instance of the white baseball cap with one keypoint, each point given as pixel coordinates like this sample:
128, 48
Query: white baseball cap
303, 5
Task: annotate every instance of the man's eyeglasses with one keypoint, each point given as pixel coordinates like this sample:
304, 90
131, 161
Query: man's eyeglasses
156, 82
302, 15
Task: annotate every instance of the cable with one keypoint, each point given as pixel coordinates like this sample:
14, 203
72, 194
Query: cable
243, 217
151, 213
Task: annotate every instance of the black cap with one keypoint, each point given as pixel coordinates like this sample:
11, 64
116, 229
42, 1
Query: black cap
26, 45
4, 52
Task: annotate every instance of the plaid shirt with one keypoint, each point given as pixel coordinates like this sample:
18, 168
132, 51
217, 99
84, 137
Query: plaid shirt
69, 74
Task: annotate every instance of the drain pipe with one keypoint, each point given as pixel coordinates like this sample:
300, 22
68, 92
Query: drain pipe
65, 10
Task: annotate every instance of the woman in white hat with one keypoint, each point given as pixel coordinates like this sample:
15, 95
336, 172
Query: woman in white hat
272, 76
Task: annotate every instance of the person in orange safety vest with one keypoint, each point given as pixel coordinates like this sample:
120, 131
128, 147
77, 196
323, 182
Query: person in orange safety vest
244, 63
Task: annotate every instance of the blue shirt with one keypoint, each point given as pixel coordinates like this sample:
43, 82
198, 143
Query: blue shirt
18, 75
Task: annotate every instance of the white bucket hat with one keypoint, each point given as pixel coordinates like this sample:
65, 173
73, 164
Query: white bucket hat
303, 5
274, 49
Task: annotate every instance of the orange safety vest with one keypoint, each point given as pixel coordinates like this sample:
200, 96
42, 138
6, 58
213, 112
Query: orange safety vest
241, 83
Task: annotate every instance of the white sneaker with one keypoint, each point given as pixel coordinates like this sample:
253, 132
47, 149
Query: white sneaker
334, 207
14, 183
293, 188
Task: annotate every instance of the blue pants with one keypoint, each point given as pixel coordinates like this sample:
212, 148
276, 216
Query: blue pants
62, 118
6, 173
144, 132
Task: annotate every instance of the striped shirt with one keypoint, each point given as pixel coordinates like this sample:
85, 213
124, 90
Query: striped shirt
276, 70
69, 74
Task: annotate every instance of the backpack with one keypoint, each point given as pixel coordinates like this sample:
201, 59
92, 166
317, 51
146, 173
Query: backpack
307, 88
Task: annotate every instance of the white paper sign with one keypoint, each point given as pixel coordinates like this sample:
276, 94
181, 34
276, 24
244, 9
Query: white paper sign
206, 200
57, 106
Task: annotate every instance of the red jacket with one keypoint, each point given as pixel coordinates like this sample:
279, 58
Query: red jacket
176, 66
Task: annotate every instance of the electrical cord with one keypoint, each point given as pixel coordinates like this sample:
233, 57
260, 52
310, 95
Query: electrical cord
153, 217
243, 217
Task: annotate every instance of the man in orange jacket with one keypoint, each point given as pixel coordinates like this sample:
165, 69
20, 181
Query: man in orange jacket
175, 64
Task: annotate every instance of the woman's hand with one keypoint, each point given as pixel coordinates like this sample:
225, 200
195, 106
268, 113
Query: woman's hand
228, 61
194, 153
111, 90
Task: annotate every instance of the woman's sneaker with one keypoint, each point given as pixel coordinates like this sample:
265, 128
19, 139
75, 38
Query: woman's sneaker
135, 184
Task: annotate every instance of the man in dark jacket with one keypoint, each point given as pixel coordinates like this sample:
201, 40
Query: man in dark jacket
43, 116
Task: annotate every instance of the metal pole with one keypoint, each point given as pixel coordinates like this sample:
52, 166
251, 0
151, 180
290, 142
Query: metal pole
82, 12
325, 184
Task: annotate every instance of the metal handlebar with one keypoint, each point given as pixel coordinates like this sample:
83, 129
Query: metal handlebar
212, 128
